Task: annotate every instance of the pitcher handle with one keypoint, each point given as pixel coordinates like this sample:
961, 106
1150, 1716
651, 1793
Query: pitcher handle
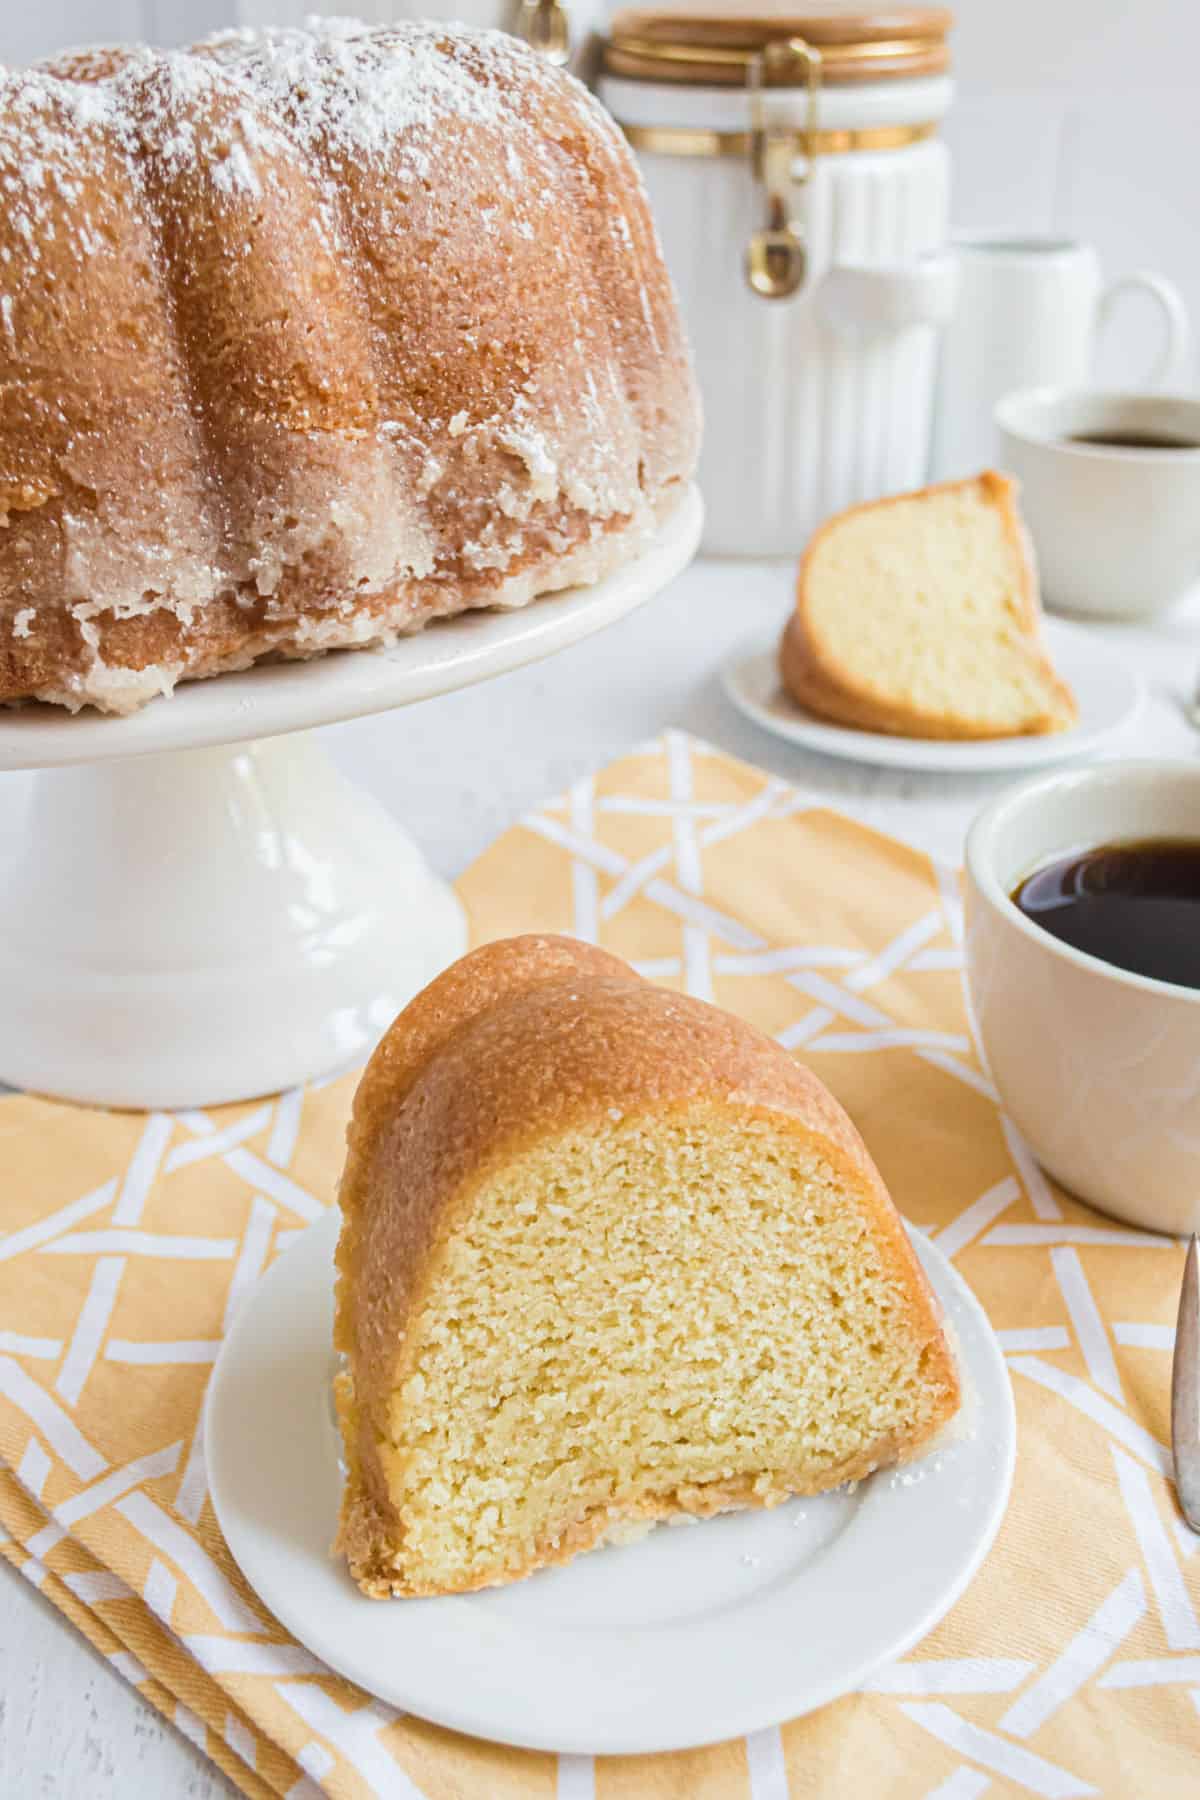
1172, 366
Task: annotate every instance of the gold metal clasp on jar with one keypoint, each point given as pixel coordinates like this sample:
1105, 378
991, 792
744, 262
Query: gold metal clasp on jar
776, 259
544, 25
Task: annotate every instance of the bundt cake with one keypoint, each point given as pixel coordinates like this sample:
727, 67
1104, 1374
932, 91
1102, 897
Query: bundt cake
607, 1255
308, 337
919, 616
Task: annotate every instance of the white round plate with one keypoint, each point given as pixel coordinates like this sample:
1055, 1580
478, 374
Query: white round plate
1109, 693
345, 684
684, 1638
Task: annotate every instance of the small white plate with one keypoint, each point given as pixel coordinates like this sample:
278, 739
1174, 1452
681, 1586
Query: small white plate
684, 1638
1109, 693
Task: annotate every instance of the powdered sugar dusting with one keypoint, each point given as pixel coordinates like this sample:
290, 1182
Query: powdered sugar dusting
360, 90
236, 174
336, 86
43, 123
265, 219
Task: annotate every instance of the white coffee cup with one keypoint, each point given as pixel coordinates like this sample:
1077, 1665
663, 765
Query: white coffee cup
1029, 314
1098, 1068
1116, 530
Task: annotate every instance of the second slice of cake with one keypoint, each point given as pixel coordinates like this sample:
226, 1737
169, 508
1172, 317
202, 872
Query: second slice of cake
919, 616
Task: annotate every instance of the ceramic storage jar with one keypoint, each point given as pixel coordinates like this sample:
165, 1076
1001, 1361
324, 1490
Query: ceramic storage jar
793, 161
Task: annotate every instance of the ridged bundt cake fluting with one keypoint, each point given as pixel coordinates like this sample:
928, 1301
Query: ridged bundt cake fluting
309, 337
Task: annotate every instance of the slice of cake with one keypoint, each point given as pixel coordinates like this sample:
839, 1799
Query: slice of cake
919, 616
607, 1255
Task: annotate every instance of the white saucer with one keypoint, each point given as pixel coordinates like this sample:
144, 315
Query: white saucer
684, 1638
1110, 695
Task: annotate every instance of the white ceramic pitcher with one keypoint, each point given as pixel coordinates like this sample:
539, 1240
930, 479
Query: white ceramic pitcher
1029, 314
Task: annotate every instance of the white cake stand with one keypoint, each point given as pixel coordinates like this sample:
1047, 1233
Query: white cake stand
201, 908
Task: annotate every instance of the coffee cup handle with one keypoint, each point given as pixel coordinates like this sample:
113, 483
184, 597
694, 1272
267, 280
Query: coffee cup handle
1171, 367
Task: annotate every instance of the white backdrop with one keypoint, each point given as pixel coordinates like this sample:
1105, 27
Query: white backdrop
1076, 116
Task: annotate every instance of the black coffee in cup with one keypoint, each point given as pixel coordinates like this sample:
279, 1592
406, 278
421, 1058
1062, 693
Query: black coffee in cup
1135, 905
1133, 440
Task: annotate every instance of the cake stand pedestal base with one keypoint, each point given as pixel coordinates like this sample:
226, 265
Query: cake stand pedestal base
201, 926
201, 909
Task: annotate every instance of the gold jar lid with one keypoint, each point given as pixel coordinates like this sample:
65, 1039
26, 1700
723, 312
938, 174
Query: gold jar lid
713, 43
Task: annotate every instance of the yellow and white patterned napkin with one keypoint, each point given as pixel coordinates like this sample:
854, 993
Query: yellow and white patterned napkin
1072, 1664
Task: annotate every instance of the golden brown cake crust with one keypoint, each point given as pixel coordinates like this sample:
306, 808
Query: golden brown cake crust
819, 686
308, 337
517, 1041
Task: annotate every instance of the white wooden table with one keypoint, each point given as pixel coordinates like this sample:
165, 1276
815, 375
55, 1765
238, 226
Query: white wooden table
458, 770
